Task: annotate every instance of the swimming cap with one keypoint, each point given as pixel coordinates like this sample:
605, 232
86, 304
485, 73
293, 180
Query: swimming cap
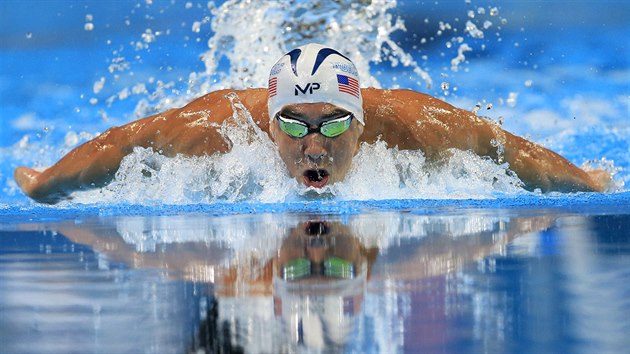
314, 73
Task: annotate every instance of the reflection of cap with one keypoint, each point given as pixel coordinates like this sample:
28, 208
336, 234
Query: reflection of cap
314, 73
320, 314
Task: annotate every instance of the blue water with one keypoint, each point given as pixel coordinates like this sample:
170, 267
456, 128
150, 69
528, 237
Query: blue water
479, 270
445, 279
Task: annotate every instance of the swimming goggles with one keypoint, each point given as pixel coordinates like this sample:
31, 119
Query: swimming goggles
330, 128
333, 267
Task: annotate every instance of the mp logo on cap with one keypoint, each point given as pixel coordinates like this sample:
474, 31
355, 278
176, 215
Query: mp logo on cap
310, 87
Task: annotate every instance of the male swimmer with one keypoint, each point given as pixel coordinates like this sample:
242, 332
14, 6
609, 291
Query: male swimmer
317, 116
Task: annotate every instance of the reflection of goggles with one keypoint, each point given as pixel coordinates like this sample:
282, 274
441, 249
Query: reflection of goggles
333, 267
330, 129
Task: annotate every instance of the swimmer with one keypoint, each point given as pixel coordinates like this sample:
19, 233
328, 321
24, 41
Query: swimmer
317, 115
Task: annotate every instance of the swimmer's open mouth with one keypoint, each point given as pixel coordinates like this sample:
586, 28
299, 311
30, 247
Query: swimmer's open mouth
315, 178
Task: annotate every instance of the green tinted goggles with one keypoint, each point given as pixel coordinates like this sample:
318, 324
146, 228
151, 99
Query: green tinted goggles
330, 128
333, 267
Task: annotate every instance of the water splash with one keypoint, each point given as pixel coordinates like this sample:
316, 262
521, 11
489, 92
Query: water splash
253, 171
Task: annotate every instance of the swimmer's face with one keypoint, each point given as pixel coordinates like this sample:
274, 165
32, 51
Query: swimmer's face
316, 160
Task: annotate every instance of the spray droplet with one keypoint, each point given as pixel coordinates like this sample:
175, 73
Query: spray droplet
489, 106
98, 85
511, 100
444, 86
494, 11
148, 36
29, 35
88, 26
528, 83
196, 26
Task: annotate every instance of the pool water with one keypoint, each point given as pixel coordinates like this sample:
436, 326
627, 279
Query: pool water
464, 261
445, 280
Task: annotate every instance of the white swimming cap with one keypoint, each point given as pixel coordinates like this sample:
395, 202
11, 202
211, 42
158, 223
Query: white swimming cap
314, 73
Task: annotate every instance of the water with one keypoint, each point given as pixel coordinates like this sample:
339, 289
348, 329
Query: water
471, 280
461, 260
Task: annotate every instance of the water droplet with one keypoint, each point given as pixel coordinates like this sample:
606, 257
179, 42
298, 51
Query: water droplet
528, 83
494, 11
98, 85
471, 13
489, 106
511, 100
148, 36
29, 35
189, 5
196, 26
89, 18
444, 86
88, 26
93, 101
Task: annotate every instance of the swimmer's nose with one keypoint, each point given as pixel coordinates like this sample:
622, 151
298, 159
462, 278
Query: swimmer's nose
314, 151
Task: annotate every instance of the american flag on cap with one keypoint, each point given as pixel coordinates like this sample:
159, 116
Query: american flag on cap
348, 84
273, 86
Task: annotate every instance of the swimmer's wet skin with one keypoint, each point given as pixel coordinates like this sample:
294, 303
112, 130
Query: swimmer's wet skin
317, 116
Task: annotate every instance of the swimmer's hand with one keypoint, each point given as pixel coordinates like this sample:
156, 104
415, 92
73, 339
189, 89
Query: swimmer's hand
30, 182
601, 180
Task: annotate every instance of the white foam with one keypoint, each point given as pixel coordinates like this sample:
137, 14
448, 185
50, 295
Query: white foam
253, 171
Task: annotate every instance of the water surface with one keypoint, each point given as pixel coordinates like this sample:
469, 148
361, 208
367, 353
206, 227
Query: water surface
466, 280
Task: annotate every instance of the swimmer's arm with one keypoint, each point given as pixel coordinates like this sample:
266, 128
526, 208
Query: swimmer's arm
90, 165
412, 120
181, 131
536, 166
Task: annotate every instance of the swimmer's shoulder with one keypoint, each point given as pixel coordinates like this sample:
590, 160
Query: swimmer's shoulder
400, 98
214, 107
252, 99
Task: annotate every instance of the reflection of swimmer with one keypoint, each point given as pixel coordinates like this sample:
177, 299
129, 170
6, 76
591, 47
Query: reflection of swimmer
317, 116
319, 284
306, 286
